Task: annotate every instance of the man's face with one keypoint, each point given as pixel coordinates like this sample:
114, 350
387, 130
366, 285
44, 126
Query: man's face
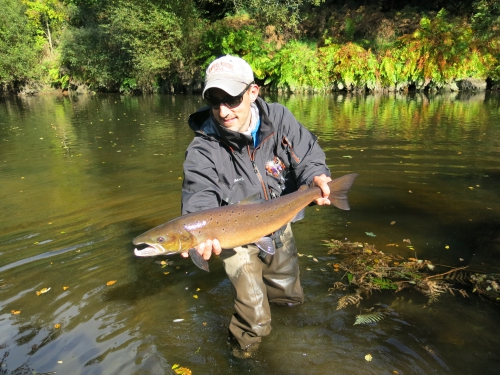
238, 118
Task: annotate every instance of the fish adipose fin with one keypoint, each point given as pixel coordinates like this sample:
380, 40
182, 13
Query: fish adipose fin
198, 260
266, 244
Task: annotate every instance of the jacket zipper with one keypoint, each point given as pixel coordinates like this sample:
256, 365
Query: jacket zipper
251, 155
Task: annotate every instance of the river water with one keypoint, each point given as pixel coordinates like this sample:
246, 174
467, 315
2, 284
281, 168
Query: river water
82, 176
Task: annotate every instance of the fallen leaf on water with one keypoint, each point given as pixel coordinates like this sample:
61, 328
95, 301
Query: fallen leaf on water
41, 291
181, 370
65, 287
109, 283
393, 222
57, 326
392, 244
15, 312
314, 259
370, 234
446, 247
395, 372
195, 296
368, 357
471, 187
407, 240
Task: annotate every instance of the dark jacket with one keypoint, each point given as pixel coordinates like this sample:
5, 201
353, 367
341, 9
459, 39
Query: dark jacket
223, 167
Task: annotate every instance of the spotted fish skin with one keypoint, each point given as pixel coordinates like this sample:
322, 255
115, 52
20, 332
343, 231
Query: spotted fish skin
239, 224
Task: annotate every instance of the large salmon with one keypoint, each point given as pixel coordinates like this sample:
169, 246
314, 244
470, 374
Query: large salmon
248, 221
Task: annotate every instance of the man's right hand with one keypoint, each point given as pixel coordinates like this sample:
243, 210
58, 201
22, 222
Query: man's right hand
205, 249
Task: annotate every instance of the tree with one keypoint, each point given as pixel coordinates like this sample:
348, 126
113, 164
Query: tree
18, 49
44, 16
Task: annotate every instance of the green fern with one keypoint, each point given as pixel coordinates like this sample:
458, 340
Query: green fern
369, 318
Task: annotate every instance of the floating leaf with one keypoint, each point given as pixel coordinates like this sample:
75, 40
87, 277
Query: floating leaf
370, 234
393, 222
65, 287
195, 296
314, 259
407, 240
181, 370
369, 318
57, 326
15, 312
368, 357
42, 291
109, 283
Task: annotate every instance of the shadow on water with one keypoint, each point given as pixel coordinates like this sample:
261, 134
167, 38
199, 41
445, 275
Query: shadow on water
82, 176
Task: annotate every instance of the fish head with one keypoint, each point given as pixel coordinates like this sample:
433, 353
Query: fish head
158, 243
166, 239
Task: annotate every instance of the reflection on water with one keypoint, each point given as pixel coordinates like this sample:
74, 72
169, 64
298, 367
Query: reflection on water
82, 176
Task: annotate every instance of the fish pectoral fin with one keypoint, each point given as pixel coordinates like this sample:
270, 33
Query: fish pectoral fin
300, 215
198, 260
266, 244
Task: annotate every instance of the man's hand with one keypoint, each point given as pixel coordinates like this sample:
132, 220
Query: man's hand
321, 181
206, 249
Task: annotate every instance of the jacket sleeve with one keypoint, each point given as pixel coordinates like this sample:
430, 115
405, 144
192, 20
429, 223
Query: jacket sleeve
305, 155
200, 188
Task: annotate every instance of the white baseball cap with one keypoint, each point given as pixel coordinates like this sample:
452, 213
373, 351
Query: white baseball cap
229, 73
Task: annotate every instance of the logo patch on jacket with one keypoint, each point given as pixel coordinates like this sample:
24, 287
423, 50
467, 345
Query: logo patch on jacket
275, 167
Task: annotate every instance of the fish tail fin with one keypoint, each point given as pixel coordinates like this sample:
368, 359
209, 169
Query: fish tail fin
198, 260
339, 188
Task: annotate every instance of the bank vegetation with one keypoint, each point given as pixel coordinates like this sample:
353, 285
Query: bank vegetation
292, 45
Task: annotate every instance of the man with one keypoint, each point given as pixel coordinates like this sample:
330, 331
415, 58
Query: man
243, 146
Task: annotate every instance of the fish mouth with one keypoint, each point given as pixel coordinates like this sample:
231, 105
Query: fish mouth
150, 250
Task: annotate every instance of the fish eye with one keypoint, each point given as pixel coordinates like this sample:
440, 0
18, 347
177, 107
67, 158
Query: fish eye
161, 239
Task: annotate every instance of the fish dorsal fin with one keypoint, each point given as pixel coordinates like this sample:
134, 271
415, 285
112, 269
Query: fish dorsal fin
252, 199
198, 260
266, 244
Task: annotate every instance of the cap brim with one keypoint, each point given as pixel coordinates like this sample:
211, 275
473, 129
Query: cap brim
233, 88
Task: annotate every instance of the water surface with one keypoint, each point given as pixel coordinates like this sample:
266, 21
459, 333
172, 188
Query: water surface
81, 176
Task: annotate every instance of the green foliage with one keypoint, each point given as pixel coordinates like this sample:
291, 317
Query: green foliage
442, 50
45, 16
285, 15
150, 36
18, 48
296, 67
236, 35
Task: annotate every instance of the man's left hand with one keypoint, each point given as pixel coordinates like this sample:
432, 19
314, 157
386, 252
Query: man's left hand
321, 181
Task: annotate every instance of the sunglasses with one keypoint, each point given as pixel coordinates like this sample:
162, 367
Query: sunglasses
229, 101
